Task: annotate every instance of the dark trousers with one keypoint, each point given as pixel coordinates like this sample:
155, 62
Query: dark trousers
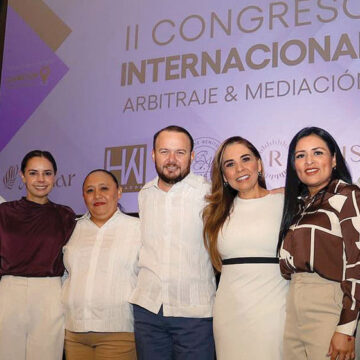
172, 338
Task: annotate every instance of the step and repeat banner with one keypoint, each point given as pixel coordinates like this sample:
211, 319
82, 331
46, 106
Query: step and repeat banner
92, 81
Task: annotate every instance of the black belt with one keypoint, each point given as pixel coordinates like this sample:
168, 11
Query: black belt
251, 260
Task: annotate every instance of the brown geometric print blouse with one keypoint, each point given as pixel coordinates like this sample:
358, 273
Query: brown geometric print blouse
325, 238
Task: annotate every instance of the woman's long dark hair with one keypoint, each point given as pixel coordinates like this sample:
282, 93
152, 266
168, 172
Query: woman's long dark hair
294, 187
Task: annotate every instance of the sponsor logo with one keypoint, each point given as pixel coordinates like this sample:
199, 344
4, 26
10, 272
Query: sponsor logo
10, 176
274, 156
205, 148
44, 73
29, 77
128, 164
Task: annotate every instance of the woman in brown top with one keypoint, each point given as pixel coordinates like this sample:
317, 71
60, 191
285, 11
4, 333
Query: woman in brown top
319, 250
33, 231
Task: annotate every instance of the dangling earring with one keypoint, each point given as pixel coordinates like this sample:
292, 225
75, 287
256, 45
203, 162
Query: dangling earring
259, 174
226, 183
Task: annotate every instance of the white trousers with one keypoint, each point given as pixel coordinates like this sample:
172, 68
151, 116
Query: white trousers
31, 318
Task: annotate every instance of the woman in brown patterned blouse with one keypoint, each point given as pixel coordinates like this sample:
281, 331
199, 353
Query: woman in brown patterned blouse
319, 250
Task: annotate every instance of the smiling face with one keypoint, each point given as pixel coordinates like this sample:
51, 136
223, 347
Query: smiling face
240, 169
313, 163
172, 156
101, 196
39, 179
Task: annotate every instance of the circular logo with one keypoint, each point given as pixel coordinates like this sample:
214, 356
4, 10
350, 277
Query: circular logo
274, 156
205, 148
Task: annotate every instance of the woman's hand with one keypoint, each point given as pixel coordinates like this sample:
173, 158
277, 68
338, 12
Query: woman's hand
342, 347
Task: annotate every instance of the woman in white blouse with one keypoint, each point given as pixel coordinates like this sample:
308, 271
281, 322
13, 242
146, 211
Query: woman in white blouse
101, 259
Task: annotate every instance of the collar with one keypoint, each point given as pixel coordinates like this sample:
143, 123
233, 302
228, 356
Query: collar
330, 188
27, 202
87, 216
333, 186
190, 179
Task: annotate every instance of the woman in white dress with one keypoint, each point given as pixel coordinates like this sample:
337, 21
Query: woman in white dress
241, 227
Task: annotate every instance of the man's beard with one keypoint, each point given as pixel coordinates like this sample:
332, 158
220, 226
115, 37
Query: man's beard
172, 180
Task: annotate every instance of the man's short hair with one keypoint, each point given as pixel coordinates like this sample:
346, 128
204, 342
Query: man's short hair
175, 128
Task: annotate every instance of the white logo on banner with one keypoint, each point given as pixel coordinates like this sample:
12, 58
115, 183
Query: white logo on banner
127, 163
205, 148
274, 156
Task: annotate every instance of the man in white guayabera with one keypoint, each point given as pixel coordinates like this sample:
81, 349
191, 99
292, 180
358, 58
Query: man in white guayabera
175, 291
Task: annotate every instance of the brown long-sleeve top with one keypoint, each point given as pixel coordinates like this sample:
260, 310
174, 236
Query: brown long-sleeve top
325, 238
32, 236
